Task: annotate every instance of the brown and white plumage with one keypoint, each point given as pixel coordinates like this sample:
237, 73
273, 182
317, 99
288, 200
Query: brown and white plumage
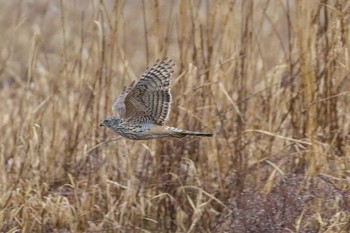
143, 106
150, 97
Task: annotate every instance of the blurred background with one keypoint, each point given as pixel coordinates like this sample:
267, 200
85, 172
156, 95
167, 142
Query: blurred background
269, 77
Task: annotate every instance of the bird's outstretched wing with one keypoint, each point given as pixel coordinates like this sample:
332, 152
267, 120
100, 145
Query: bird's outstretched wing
119, 105
149, 99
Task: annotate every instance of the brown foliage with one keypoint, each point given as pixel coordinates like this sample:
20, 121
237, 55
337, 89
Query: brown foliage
270, 78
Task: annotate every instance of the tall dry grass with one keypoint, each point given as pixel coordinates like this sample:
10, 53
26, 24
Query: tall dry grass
270, 78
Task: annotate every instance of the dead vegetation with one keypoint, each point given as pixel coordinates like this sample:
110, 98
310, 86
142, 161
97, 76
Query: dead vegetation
270, 78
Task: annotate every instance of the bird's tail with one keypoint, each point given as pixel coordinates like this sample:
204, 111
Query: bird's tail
179, 133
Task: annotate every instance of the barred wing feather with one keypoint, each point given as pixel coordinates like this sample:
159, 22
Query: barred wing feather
149, 99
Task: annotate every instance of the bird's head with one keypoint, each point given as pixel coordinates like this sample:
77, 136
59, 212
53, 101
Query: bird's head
111, 122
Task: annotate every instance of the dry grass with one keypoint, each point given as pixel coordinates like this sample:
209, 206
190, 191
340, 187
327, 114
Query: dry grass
270, 78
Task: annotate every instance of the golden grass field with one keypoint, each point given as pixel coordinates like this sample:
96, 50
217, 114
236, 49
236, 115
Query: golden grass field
269, 77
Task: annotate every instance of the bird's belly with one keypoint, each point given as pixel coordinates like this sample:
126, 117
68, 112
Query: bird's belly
143, 132
142, 136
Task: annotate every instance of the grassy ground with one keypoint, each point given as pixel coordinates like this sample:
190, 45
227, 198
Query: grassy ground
270, 78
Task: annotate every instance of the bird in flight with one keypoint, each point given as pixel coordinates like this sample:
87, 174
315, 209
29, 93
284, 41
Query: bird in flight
143, 106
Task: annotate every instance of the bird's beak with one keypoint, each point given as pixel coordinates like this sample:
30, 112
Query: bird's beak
101, 124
